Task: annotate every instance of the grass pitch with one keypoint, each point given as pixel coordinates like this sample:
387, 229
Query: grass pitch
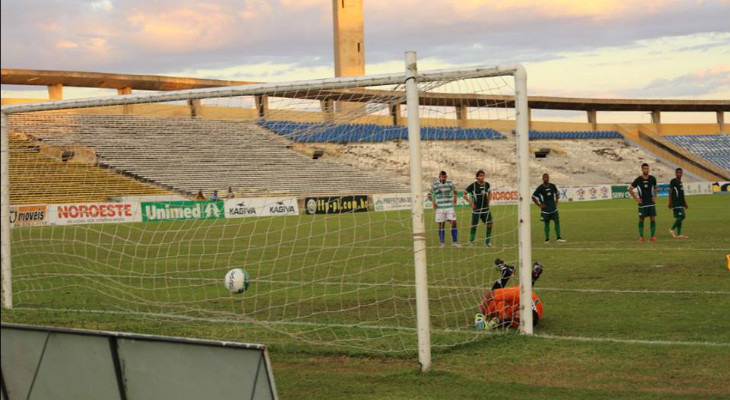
622, 319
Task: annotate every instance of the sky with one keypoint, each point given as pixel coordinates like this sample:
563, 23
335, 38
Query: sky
670, 49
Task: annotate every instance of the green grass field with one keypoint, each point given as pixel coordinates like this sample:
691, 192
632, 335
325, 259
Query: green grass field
333, 298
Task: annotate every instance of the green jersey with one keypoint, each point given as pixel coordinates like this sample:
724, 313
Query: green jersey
443, 194
480, 195
547, 195
676, 193
645, 189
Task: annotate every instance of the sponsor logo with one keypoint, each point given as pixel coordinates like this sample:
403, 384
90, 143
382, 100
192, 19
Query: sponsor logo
182, 210
34, 215
75, 211
240, 209
337, 204
311, 206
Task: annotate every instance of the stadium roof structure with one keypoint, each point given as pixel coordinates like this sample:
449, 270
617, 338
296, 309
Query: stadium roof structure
165, 83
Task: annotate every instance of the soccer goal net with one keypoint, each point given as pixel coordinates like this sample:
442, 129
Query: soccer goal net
126, 212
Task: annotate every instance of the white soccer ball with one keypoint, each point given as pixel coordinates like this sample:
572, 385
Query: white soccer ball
236, 280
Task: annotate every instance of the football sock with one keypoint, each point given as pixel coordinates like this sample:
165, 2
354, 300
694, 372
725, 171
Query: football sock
676, 223
489, 234
442, 234
547, 230
679, 227
641, 228
454, 233
652, 227
472, 233
557, 228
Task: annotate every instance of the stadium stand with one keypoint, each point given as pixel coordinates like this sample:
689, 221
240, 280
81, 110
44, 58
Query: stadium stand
348, 133
545, 135
713, 148
187, 154
37, 177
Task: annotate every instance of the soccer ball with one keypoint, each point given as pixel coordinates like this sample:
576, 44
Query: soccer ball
236, 280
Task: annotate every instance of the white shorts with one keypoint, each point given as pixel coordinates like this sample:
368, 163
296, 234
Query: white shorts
445, 214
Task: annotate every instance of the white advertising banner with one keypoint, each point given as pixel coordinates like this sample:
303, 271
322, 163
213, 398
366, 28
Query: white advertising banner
93, 213
697, 188
261, 207
504, 196
585, 193
392, 201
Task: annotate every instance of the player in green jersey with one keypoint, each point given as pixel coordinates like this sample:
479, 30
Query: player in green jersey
443, 198
479, 195
644, 191
546, 196
677, 204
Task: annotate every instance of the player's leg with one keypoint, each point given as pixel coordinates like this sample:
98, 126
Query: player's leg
506, 272
488, 218
441, 219
641, 225
556, 219
454, 229
679, 215
652, 224
473, 228
546, 225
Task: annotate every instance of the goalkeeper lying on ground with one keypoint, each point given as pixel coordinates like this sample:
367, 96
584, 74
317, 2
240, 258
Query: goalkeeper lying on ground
500, 306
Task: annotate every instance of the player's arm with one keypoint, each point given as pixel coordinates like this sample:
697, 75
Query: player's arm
633, 194
489, 197
453, 188
557, 196
466, 195
671, 190
654, 192
430, 197
535, 198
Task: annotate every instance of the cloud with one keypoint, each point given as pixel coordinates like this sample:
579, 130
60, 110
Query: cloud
697, 83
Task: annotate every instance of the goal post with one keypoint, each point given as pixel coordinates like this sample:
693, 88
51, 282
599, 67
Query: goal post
317, 212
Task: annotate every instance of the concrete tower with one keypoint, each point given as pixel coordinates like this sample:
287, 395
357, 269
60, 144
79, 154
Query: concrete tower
349, 37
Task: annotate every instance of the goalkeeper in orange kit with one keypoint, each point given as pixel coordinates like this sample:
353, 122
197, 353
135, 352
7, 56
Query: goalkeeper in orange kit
500, 306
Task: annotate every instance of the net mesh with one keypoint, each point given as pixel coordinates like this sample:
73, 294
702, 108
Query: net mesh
313, 202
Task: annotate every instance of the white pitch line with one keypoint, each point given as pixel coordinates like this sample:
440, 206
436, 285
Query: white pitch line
394, 328
632, 341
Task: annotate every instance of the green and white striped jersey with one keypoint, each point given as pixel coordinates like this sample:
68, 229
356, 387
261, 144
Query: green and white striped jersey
443, 193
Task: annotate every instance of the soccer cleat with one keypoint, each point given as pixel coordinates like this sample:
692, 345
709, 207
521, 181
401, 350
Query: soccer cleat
561, 240
641, 239
442, 245
472, 244
488, 244
457, 245
653, 239
547, 241
671, 232
493, 323
682, 237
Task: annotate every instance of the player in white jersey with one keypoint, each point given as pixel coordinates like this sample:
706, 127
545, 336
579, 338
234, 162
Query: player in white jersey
443, 197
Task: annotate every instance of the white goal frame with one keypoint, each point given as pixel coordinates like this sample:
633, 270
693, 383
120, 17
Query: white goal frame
411, 79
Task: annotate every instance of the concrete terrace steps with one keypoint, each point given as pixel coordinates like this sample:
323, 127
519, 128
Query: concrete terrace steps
191, 154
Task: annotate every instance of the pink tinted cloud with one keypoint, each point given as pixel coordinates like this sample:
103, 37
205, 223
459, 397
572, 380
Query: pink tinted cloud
204, 27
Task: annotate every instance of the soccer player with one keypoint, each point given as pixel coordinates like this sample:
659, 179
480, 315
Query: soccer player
646, 187
501, 306
677, 203
443, 197
481, 196
546, 196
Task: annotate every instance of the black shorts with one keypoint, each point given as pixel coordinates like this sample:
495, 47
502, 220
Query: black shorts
484, 214
647, 211
547, 217
678, 212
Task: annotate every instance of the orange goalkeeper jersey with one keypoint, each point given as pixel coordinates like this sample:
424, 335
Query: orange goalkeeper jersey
505, 304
